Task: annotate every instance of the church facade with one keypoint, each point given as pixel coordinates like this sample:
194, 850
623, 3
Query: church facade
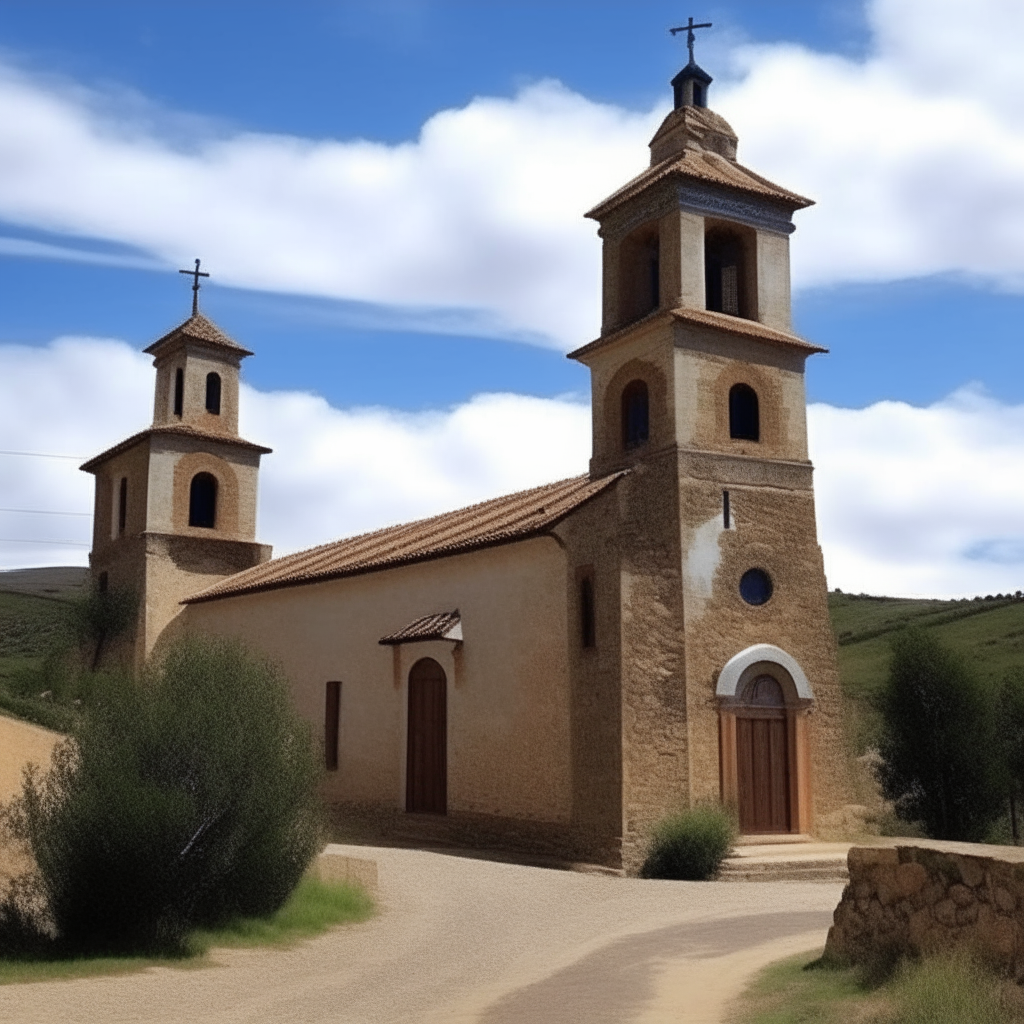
556, 669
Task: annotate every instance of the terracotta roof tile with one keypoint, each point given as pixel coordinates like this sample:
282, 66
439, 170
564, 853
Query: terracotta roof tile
439, 626
198, 328
704, 166
179, 429
499, 521
704, 318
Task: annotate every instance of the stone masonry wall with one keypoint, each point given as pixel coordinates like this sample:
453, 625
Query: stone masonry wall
931, 897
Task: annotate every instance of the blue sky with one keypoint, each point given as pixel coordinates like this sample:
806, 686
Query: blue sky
378, 71
226, 127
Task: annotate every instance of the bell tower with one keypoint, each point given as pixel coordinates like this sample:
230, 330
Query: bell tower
175, 505
698, 391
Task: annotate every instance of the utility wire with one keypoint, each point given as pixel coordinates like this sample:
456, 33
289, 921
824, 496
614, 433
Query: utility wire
45, 455
62, 543
43, 512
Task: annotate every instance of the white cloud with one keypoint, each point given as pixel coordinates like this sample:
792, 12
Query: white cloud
911, 501
915, 155
921, 502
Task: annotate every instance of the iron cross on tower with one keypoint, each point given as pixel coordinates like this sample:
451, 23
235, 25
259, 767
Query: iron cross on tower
197, 273
688, 29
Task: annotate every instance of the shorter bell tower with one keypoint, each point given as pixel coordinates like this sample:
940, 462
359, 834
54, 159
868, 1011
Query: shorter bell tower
175, 505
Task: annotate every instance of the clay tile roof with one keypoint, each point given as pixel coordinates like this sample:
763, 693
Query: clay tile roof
439, 626
198, 328
180, 429
499, 521
703, 318
703, 165
740, 325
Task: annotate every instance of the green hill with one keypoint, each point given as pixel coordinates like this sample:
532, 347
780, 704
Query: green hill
989, 631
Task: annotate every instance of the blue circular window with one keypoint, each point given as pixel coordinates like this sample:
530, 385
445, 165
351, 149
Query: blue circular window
756, 586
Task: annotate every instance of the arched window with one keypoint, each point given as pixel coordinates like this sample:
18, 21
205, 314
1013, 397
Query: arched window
588, 631
179, 391
213, 393
723, 272
635, 414
744, 416
764, 692
122, 506
202, 501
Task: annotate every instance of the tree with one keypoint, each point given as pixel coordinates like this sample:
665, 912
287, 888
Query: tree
181, 801
938, 744
1010, 729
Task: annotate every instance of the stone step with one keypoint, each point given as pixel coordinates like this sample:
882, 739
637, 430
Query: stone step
786, 862
784, 871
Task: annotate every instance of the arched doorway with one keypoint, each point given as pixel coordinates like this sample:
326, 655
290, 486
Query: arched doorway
764, 698
426, 766
762, 758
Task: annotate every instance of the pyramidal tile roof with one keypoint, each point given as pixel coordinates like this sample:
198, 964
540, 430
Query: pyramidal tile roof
198, 328
499, 521
173, 429
702, 165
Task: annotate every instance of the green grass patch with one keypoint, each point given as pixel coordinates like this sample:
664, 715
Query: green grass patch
951, 989
312, 909
989, 633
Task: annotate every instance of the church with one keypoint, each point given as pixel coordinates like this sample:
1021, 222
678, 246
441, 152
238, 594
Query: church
554, 670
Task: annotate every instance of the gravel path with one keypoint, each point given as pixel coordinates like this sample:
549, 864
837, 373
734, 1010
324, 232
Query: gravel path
464, 940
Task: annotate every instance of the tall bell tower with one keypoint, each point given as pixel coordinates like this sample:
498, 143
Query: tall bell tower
729, 682
175, 505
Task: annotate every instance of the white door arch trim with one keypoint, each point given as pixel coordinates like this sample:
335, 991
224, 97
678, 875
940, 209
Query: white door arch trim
729, 678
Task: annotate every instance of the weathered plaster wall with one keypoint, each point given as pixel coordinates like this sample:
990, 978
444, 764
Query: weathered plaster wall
929, 897
509, 728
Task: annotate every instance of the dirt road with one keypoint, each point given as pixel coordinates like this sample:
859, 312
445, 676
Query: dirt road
459, 940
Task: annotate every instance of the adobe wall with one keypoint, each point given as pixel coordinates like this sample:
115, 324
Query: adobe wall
509, 744
931, 896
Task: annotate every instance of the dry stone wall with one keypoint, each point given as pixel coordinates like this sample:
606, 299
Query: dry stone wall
931, 897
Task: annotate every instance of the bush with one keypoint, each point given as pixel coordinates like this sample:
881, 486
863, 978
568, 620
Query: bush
940, 758
690, 845
180, 801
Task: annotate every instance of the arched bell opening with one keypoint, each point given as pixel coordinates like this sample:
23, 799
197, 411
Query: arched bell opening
764, 698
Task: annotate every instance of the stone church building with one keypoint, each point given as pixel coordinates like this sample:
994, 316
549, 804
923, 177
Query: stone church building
556, 669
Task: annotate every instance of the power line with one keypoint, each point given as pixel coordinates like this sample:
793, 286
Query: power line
43, 512
62, 543
45, 455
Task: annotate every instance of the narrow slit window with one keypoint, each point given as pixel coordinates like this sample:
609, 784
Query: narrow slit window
332, 724
179, 391
213, 393
122, 506
588, 625
726, 516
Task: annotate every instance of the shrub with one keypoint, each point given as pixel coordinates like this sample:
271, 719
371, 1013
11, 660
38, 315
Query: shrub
939, 752
180, 801
690, 845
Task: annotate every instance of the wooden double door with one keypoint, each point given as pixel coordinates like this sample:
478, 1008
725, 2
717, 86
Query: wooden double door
762, 771
426, 764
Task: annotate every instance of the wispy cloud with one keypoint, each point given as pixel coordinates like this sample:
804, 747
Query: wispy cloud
911, 501
917, 166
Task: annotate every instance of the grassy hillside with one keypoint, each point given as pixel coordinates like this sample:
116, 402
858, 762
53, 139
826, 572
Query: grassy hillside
990, 632
30, 628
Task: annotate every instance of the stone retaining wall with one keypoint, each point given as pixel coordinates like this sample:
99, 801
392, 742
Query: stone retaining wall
931, 897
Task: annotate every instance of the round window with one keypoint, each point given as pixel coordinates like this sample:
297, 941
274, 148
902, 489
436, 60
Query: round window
756, 586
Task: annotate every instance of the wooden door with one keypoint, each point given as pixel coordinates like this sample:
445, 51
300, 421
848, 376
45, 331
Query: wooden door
762, 762
426, 769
